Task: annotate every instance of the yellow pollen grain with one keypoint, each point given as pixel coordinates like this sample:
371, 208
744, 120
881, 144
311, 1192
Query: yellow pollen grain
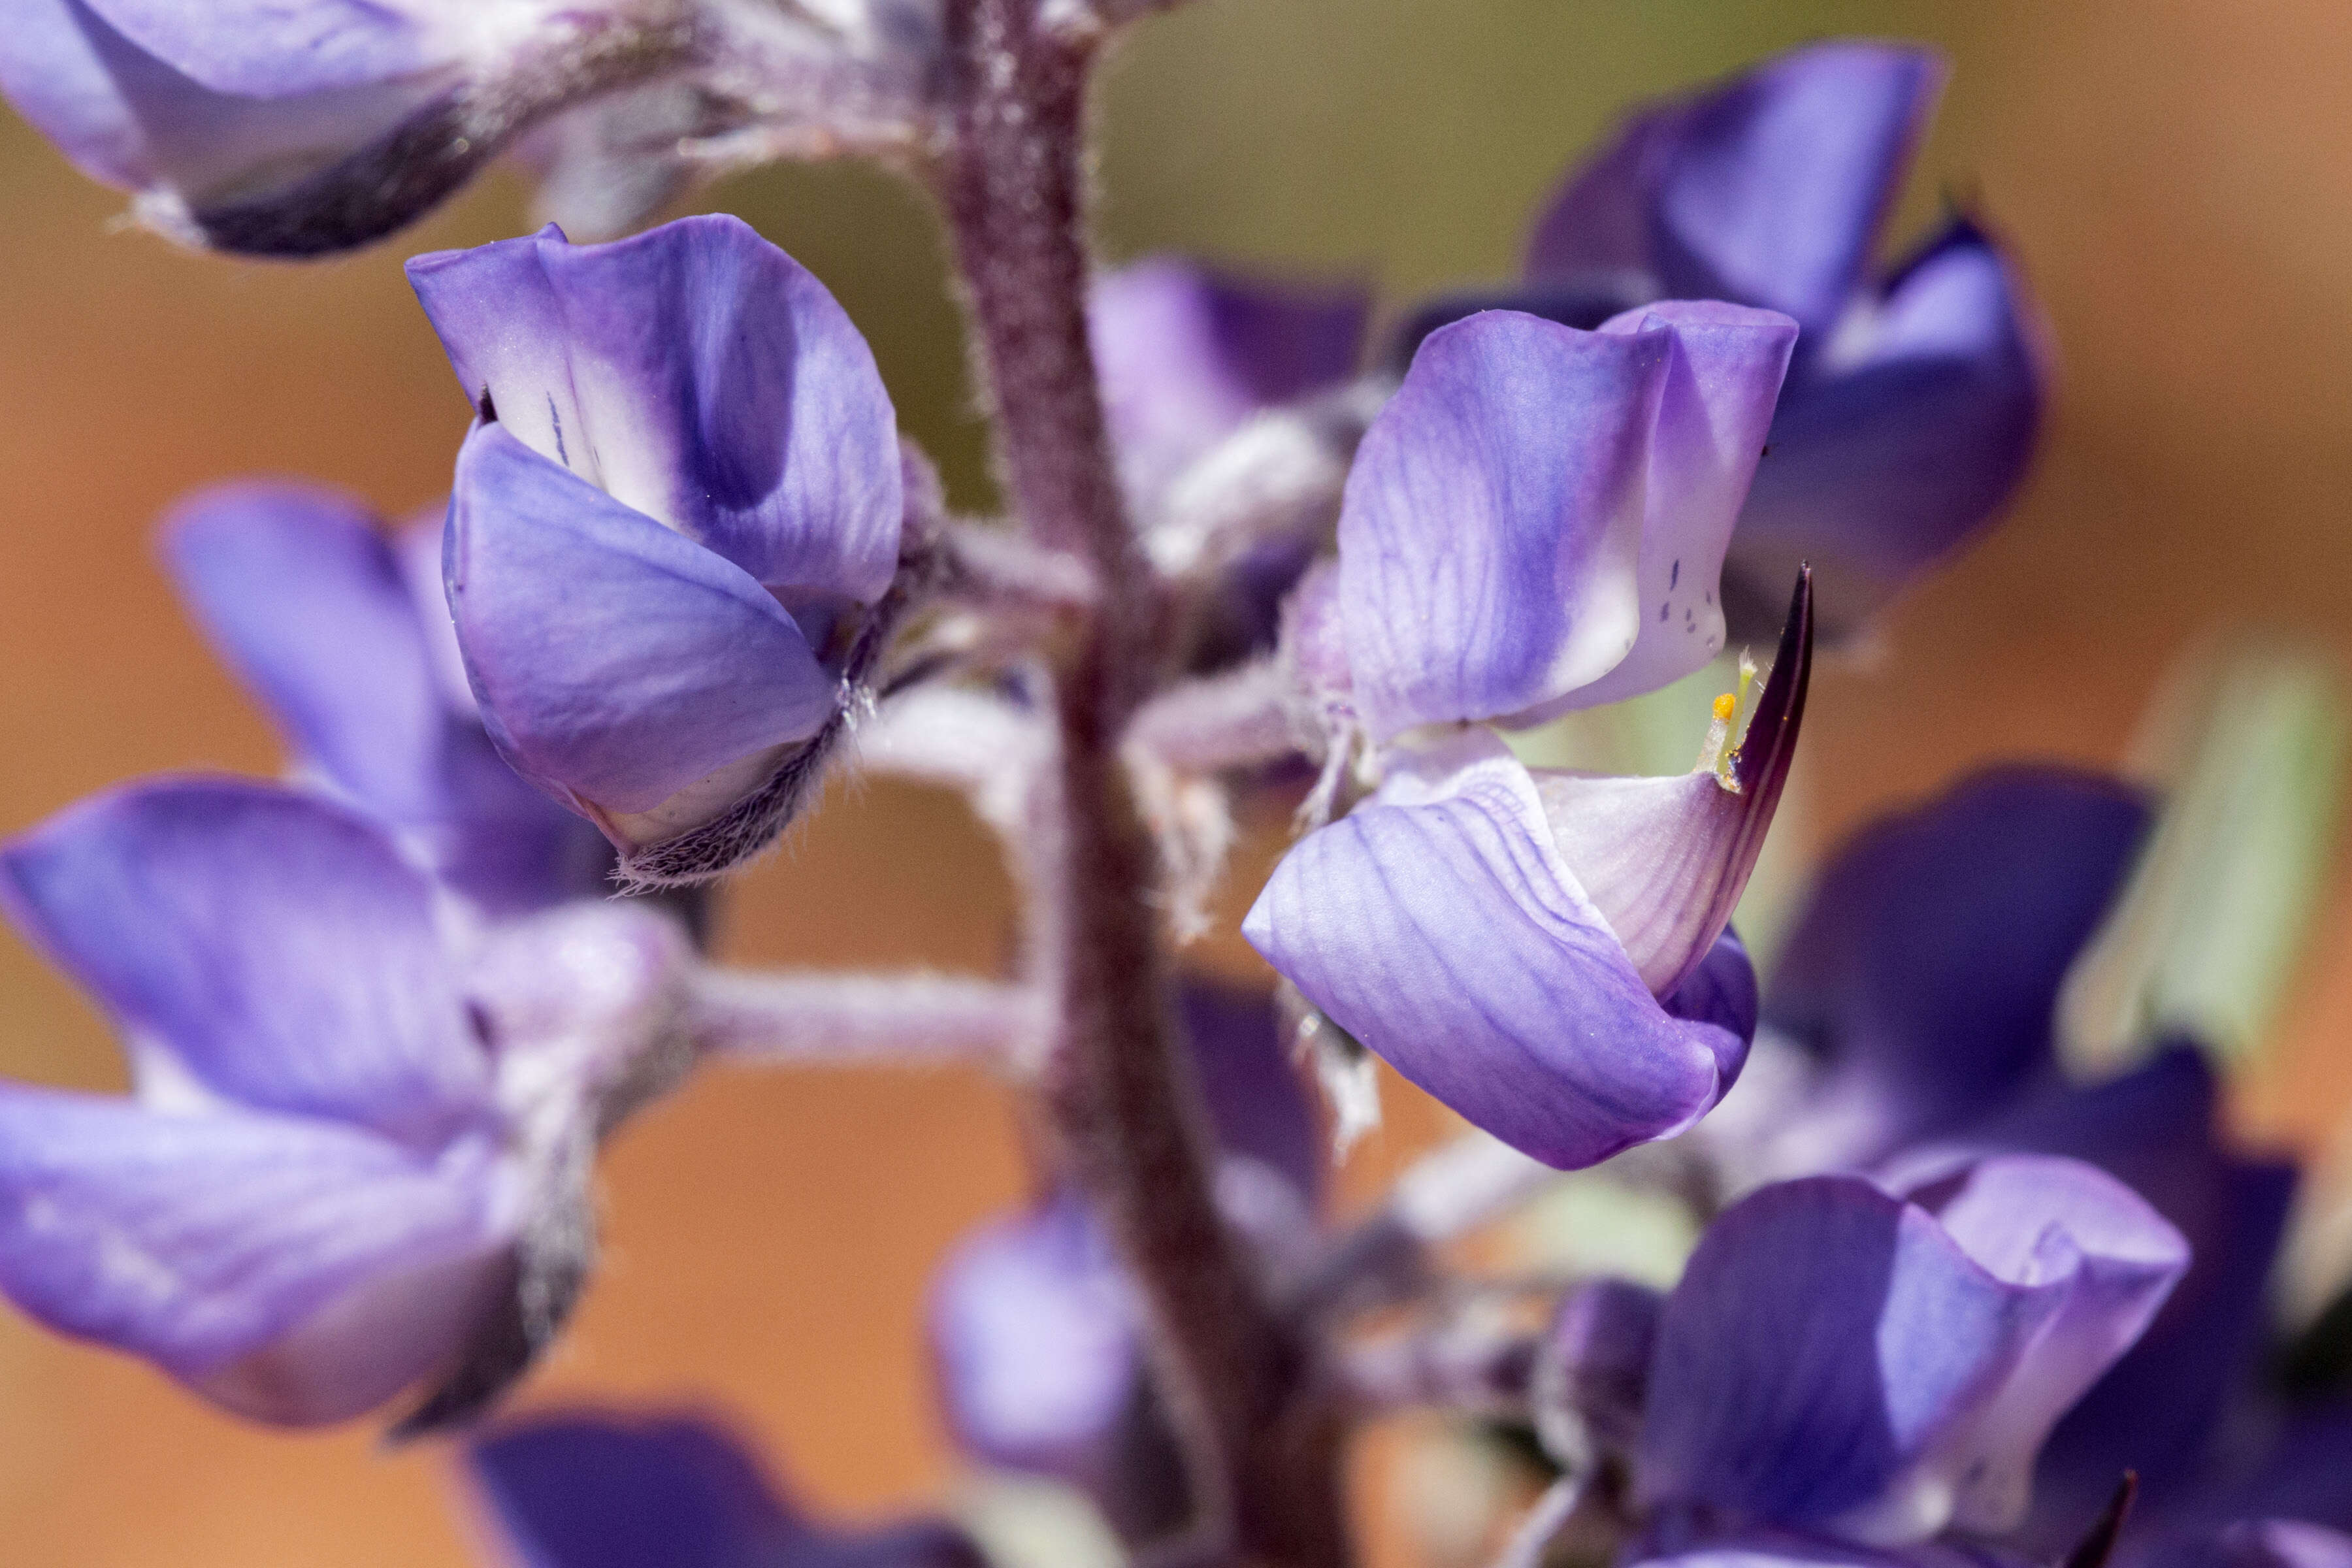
1725, 706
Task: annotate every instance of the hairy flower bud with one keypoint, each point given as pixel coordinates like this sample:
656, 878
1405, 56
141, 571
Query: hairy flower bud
673, 549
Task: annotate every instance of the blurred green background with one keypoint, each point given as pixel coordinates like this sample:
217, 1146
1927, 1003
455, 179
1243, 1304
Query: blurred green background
2176, 173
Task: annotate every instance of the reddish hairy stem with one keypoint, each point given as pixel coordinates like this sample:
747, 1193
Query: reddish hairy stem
1261, 1431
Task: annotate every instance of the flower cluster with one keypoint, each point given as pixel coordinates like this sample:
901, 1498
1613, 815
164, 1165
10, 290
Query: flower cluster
1943, 1290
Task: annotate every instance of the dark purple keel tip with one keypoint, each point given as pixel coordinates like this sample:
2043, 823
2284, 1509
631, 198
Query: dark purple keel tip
2098, 1543
1759, 763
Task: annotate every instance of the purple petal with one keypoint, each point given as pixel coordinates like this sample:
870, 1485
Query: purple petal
51, 70
1492, 522
2304, 1474
131, 118
1440, 926
2157, 1411
288, 48
595, 1491
1907, 435
696, 374
1838, 1358
590, 1490
618, 663
292, 1268
314, 609
1033, 1332
1712, 417
1768, 190
1924, 967
1256, 1103
268, 945
1666, 860
1537, 521
1595, 1359
2256, 1543
1769, 1548
296, 127
1822, 1337
2045, 1223
127, 115
1186, 355
306, 601
418, 546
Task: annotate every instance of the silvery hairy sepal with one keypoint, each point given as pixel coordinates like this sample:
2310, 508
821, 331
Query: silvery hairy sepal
678, 538
355, 1162
302, 129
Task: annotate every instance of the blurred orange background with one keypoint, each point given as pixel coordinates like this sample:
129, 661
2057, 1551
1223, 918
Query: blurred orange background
2176, 173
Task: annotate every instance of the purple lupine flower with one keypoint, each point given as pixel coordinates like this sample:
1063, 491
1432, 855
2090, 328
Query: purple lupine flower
354, 1162
596, 1491
1876, 1366
1915, 396
304, 128
676, 529
1536, 523
351, 649
1036, 1332
1919, 988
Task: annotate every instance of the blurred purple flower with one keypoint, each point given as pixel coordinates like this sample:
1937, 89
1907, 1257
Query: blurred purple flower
1187, 354
1595, 1358
2256, 1543
1188, 357
1915, 395
592, 1491
1921, 978
675, 528
345, 636
1919, 987
1877, 1366
1036, 1343
1037, 1356
295, 128
355, 1160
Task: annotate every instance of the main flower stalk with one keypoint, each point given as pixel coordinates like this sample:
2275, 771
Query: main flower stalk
1261, 1435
